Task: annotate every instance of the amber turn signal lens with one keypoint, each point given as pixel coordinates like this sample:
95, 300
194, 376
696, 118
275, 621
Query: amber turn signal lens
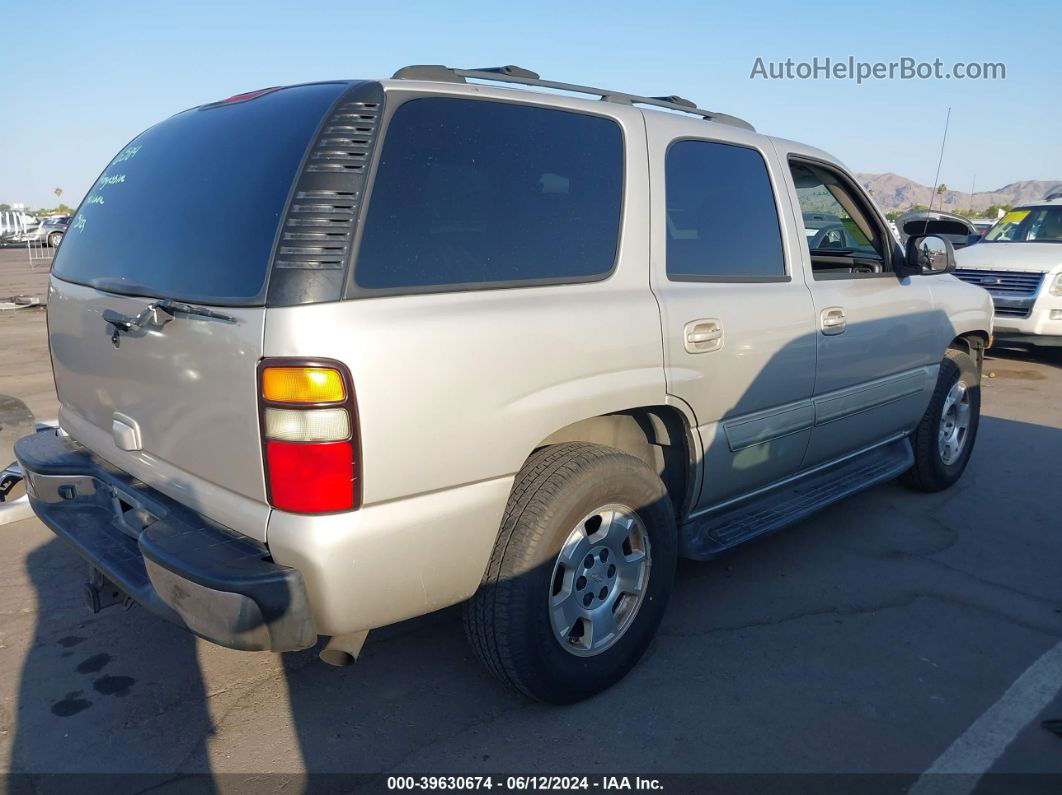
303, 385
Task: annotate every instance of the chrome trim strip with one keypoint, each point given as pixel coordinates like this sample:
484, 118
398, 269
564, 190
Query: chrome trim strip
764, 426
864, 397
774, 423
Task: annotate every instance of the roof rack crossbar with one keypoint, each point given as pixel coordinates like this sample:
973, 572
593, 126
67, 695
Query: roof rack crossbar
520, 76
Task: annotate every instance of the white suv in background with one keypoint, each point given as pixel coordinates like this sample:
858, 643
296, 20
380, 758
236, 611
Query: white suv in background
1019, 262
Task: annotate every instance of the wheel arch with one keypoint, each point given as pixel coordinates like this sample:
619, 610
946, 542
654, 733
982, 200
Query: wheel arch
972, 343
661, 436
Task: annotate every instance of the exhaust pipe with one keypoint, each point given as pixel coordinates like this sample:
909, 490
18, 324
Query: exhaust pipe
343, 649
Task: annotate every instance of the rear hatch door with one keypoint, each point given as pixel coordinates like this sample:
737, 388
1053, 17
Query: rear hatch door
188, 211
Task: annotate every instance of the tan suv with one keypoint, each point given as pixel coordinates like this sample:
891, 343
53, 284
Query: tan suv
404, 343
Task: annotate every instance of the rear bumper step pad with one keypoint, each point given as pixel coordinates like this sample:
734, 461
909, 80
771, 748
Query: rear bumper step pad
216, 583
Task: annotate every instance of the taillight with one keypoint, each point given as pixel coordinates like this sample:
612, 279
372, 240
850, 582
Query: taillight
303, 385
310, 478
309, 426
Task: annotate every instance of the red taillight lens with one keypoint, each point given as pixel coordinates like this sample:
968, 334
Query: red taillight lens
311, 478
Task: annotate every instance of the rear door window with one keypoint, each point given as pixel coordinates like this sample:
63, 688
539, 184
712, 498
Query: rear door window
473, 193
190, 208
722, 221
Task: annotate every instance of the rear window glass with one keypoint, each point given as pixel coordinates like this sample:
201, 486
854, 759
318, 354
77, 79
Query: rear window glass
190, 208
474, 193
722, 222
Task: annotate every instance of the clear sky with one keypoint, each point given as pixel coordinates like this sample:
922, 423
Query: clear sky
82, 78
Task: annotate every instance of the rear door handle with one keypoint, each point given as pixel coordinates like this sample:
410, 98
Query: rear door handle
704, 335
833, 320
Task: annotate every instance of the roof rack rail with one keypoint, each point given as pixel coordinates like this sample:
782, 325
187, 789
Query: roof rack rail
525, 77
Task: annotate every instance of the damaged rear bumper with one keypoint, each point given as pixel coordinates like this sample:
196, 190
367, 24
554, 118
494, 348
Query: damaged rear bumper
218, 584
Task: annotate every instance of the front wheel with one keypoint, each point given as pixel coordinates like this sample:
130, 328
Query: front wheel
580, 574
944, 439
55, 238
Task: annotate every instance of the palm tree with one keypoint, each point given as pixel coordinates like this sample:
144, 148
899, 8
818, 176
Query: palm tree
58, 193
941, 190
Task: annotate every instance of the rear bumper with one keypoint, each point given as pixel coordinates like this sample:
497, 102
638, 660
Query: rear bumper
216, 583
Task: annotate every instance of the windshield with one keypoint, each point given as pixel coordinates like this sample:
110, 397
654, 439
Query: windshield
1028, 225
189, 209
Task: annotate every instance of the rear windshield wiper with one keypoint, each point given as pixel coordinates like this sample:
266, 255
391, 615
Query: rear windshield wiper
159, 313
174, 308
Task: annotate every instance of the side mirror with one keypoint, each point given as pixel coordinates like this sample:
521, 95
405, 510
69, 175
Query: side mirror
971, 239
929, 254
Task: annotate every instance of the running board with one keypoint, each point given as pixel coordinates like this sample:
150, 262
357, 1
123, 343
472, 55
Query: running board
717, 531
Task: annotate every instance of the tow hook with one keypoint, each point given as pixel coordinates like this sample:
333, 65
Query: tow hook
101, 592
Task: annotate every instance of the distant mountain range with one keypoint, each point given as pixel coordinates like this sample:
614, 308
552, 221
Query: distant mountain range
893, 192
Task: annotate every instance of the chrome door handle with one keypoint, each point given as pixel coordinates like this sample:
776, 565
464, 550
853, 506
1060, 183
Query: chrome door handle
704, 335
833, 320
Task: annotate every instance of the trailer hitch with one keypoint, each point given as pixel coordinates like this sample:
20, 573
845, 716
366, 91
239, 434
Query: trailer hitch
100, 592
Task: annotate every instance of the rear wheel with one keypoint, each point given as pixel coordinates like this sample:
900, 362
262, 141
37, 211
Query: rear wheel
944, 439
580, 574
54, 239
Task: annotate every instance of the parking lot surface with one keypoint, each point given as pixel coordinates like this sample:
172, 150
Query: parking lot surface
870, 638
20, 275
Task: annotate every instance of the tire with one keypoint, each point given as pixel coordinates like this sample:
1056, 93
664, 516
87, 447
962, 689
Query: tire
555, 502
934, 469
54, 239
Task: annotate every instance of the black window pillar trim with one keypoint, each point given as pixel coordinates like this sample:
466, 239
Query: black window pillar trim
315, 239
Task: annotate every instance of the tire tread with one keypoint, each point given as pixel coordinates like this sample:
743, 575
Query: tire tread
488, 616
923, 475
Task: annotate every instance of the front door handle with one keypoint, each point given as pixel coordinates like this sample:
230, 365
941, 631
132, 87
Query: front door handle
704, 335
833, 320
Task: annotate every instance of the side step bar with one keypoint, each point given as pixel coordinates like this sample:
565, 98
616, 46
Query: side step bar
717, 531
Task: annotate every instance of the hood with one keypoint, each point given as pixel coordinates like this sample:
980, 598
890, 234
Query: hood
1031, 257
